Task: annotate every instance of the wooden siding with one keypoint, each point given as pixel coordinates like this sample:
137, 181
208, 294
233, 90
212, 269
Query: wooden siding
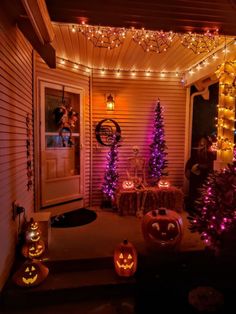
135, 100
15, 104
67, 75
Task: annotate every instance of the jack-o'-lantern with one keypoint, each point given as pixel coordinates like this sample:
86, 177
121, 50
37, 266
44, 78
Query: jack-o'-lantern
163, 184
34, 249
128, 185
31, 273
125, 259
162, 229
33, 232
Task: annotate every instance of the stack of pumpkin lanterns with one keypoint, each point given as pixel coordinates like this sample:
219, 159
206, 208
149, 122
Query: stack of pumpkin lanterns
32, 272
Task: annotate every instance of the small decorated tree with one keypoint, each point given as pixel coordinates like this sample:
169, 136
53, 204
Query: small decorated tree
216, 208
158, 161
111, 175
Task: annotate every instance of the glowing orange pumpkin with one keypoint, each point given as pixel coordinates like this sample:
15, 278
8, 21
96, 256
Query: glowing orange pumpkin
125, 259
31, 273
33, 232
128, 184
34, 249
163, 184
162, 229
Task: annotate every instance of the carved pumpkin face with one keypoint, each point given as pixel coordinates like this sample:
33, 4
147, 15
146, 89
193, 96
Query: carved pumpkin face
125, 259
34, 249
163, 184
162, 228
33, 233
128, 184
31, 273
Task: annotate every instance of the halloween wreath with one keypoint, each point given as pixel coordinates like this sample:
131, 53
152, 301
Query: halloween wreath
107, 131
65, 119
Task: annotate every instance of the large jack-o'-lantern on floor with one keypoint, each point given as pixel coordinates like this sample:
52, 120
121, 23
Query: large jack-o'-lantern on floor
162, 229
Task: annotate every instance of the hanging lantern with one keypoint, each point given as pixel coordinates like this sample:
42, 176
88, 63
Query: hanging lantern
110, 103
125, 259
128, 185
162, 228
163, 184
31, 273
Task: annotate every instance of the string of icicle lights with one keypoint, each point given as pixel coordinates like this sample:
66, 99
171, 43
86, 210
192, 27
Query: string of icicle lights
149, 40
119, 72
212, 58
149, 73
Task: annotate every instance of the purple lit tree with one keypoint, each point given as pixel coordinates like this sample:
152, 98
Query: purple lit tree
111, 175
158, 161
216, 208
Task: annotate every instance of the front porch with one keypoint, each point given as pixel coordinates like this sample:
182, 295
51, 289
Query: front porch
82, 277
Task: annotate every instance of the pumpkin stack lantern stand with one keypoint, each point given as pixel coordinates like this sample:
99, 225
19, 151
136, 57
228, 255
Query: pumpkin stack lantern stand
125, 259
34, 247
162, 229
32, 272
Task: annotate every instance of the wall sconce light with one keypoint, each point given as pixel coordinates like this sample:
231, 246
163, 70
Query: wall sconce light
110, 102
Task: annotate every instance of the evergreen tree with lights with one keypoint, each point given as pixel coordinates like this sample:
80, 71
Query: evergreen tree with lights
158, 161
215, 212
111, 175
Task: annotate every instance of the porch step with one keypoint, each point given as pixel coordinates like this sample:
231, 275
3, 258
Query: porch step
68, 286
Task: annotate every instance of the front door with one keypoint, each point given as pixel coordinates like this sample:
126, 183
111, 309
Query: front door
61, 156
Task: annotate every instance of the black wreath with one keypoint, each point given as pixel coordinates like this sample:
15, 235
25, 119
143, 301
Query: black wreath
101, 130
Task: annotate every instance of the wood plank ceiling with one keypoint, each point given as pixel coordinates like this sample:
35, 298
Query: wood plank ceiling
129, 56
177, 16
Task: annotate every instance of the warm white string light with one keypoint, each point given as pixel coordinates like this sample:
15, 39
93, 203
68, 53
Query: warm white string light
104, 37
153, 41
151, 73
118, 72
207, 60
200, 43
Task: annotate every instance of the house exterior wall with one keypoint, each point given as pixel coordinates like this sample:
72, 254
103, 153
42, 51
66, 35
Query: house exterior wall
135, 100
16, 103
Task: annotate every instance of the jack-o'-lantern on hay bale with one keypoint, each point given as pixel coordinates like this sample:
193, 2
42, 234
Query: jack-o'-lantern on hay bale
125, 259
128, 185
163, 184
31, 273
162, 228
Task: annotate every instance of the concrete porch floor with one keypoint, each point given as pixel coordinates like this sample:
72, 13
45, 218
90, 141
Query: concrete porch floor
99, 238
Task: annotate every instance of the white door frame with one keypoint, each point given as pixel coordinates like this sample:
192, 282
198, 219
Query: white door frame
39, 87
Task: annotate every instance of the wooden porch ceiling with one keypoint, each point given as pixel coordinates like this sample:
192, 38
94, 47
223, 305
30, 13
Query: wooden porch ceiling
179, 16
166, 15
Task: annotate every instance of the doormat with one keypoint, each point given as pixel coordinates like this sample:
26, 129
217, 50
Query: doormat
75, 218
